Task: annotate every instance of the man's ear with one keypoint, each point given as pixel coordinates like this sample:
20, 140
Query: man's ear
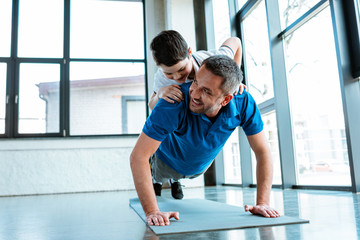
190, 52
227, 99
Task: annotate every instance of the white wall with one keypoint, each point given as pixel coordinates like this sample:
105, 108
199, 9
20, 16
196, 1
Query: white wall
40, 166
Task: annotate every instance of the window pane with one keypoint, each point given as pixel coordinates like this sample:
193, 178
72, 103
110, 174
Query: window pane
107, 29
231, 154
221, 21
2, 96
106, 98
257, 55
41, 28
5, 27
270, 130
292, 10
316, 105
39, 98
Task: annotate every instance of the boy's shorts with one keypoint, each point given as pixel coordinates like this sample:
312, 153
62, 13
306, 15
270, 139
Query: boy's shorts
162, 172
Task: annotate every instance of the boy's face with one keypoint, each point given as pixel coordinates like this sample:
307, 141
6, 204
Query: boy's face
180, 71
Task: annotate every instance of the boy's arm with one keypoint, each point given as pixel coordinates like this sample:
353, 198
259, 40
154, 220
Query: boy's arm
264, 173
168, 93
139, 162
153, 101
235, 44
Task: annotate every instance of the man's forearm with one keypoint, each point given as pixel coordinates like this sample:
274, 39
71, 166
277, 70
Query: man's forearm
143, 184
264, 173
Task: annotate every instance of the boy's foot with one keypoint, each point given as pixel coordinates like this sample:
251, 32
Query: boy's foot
157, 188
176, 190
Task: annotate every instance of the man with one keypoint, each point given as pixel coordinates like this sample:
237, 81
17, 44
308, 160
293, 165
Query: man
187, 136
177, 65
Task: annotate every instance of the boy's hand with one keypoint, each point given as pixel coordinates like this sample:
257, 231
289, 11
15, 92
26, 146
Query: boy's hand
158, 218
171, 93
242, 87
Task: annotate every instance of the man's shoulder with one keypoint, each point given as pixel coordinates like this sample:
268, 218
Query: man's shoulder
244, 100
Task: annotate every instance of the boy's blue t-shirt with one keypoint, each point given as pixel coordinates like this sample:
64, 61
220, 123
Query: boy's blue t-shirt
189, 141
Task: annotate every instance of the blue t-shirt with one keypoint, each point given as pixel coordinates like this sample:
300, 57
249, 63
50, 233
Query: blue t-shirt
190, 141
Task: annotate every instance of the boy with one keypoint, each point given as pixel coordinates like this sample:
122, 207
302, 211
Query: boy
177, 64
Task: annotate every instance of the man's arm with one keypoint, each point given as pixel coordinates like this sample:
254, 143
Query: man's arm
235, 44
139, 162
264, 172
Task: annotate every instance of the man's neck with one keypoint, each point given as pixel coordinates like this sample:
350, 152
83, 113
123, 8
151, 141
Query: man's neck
213, 115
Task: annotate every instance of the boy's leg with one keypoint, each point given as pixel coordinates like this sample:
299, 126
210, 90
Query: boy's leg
161, 173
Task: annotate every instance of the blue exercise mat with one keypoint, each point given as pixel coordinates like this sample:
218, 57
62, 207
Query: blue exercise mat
197, 215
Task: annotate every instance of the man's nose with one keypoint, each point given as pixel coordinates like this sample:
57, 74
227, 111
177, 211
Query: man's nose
195, 93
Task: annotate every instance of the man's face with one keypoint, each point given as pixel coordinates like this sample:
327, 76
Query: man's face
206, 96
178, 72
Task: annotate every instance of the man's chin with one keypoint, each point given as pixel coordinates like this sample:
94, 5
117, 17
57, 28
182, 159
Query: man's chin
195, 110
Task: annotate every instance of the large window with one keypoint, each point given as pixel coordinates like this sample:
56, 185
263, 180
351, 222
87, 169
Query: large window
316, 105
75, 68
297, 69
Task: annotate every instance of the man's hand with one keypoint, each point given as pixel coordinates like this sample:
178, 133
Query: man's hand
242, 87
263, 210
159, 218
170, 93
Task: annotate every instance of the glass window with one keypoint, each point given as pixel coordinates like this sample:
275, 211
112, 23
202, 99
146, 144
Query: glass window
104, 96
292, 10
106, 29
270, 130
2, 97
5, 27
41, 28
316, 105
221, 21
231, 155
39, 98
257, 55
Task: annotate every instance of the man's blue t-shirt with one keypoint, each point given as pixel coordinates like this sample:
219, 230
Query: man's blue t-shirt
190, 141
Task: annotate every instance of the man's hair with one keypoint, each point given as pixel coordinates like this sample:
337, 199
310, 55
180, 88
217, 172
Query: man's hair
169, 48
227, 69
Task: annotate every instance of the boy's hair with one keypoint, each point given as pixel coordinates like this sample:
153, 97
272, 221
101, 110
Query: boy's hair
169, 48
227, 69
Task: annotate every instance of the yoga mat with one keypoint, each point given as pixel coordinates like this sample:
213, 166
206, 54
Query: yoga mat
197, 215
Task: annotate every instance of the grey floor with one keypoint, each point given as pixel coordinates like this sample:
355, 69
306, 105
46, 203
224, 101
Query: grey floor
106, 215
